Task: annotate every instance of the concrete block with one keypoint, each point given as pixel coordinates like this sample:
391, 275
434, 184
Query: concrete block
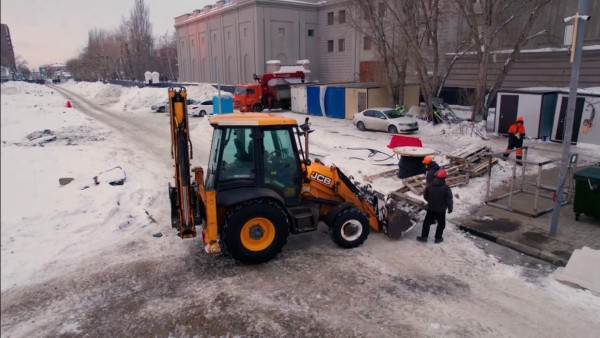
582, 270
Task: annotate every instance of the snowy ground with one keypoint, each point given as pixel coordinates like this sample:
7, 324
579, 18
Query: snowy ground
82, 259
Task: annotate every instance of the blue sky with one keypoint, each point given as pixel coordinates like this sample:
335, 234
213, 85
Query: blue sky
44, 31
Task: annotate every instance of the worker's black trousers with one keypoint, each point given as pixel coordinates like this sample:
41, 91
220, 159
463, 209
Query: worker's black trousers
430, 218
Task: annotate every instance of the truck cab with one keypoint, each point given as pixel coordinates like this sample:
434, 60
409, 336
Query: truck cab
247, 97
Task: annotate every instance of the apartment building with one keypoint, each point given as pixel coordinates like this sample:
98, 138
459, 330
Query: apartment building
7, 51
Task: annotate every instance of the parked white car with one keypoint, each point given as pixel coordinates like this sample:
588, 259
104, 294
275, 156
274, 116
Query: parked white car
385, 119
161, 107
200, 108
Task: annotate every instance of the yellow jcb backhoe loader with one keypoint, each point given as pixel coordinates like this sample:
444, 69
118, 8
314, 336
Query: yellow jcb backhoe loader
260, 185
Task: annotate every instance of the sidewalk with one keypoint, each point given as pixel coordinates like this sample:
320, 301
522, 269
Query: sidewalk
530, 235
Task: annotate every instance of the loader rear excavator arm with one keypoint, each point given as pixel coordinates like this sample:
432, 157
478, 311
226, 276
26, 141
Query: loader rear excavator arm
183, 197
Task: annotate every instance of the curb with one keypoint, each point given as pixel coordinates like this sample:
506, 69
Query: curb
520, 247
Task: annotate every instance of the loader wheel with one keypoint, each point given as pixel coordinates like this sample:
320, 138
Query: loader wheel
350, 228
361, 126
255, 231
257, 108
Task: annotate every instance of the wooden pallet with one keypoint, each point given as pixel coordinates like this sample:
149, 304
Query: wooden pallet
481, 168
400, 195
470, 154
387, 173
456, 176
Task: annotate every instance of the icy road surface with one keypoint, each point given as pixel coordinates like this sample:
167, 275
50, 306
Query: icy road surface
81, 260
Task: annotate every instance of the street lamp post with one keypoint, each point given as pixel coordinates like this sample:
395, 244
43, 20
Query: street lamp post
578, 30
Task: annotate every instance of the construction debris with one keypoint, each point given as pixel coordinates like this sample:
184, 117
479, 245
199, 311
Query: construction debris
465, 163
475, 156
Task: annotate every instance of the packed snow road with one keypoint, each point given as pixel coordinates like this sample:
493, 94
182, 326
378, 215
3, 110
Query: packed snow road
89, 265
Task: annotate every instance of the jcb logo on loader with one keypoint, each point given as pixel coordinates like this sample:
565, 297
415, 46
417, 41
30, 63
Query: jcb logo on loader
320, 178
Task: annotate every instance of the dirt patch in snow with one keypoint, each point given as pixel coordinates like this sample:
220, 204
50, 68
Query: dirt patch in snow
70, 136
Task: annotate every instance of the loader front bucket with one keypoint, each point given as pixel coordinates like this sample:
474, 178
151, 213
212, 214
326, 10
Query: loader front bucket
399, 221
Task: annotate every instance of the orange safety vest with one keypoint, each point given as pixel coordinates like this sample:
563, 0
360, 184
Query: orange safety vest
514, 129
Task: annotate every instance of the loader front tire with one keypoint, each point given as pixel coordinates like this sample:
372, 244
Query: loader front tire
255, 231
350, 228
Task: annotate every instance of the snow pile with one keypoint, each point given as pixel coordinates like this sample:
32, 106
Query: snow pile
136, 100
47, 227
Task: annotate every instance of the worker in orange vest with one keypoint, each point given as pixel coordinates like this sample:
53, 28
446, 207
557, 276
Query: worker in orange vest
516, 133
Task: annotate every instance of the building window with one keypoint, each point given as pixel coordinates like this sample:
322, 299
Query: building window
342, 16
192, 42
311, 32
202, 40
341, 45
245, 32
330, 18
281, 31
229, 35
366, 43
330, 46
382, 10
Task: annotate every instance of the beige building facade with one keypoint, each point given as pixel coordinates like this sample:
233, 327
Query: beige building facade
232, 40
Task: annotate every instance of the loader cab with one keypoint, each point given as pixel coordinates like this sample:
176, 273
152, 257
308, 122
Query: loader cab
252, 160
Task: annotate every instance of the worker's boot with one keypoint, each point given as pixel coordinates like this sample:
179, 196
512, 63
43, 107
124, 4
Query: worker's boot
422, 239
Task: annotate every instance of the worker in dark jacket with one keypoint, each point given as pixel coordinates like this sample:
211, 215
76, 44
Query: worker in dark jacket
439, 199
431, 169
516, 133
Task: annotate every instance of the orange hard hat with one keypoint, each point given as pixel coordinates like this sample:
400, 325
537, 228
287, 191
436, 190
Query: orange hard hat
427, 160
441, 173
520, 119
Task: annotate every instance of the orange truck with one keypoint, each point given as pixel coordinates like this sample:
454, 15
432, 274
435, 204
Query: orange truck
261, 95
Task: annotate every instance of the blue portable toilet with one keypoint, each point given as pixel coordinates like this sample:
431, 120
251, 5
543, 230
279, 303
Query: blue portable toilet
335, 102
226, 104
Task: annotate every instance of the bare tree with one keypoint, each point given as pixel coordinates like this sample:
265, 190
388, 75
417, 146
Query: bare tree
487, 20
125, 53
420, 22
22, 67
140, 40
372, 22
166, 52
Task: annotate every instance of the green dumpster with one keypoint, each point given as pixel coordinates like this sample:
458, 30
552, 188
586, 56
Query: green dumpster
587, 192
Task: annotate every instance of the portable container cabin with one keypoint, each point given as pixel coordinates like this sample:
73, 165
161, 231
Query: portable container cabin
536, 106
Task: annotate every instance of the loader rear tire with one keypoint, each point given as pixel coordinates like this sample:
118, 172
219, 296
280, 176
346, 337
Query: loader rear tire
350, 228
255, 231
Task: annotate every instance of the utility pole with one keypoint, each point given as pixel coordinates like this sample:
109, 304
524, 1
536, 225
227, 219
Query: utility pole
578, 29
219, 89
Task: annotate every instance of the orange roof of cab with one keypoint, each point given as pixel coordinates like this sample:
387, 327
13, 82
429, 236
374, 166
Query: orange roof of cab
251, 119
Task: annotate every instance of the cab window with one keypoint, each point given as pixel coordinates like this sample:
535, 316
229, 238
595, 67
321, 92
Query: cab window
281, 164
237, 161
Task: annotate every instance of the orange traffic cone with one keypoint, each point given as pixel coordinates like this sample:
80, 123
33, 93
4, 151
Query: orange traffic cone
68, 105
